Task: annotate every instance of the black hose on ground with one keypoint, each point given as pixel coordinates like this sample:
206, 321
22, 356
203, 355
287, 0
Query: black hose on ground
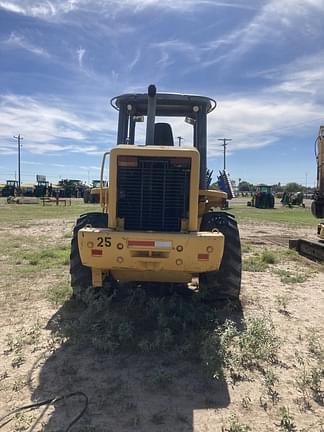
9, 417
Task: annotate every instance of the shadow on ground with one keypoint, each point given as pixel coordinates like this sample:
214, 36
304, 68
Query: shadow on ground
148, 382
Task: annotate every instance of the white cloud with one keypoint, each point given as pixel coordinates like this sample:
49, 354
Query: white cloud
46, 9
18, 41
258, 121
304, 75
48, 128
135, 60
49, 9
80, 53
272, 22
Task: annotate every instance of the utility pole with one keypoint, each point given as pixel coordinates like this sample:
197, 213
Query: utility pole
225, 143
180, 138
19, 138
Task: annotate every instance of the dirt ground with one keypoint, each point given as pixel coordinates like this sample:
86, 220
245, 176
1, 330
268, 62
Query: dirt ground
156, 391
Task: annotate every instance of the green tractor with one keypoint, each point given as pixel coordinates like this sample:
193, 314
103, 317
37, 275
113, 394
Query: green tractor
263, 197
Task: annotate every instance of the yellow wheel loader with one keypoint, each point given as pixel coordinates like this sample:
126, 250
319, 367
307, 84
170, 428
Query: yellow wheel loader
156, 226
315, 249
318, 203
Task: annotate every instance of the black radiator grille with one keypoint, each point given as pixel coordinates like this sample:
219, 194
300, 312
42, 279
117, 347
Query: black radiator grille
154, 195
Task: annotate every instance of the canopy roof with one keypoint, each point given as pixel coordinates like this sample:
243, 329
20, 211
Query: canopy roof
167, 104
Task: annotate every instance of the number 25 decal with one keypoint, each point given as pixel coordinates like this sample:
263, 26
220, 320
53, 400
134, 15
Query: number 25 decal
104, 241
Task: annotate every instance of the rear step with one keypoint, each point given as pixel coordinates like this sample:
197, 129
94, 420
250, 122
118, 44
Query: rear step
313, 250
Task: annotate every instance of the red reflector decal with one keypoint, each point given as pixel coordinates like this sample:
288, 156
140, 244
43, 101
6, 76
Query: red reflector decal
204, 257
96, 252
140, 243
127, 161
181, 162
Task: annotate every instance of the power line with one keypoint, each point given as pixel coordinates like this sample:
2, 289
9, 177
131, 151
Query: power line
225, 144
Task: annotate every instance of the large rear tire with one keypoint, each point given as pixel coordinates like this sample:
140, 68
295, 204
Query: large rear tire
226, 282
81, 277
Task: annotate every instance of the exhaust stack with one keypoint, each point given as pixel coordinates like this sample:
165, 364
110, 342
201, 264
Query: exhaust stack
151, 109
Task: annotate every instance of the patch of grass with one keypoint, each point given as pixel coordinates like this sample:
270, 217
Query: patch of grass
234, 425
139, 322
60, 293
241, 351
309, 382
48, 258
254, 264
22, 214
293, 217
270, 379
246, 248
287, 277
260, 262
269, 257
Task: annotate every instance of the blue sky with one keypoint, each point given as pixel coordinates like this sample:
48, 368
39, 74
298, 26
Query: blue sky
62, 61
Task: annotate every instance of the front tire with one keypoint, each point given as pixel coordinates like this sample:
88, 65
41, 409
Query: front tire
81, 277
226, 282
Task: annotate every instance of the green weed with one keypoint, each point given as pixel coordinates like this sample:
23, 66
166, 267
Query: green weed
270, 380
269, 257
260, 262
246, 248
241, 351
287, 277
308, 383
287, 421
254, 264
48, 258
59, 293
235, 426
246, 402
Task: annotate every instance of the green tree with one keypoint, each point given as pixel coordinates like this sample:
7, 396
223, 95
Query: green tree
245, 186
294, 187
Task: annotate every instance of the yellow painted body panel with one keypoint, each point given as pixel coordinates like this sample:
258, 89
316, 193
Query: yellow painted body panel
154, 151
174, 257
113, 254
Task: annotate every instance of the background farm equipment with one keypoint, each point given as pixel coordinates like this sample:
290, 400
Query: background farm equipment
263, 198
293, 199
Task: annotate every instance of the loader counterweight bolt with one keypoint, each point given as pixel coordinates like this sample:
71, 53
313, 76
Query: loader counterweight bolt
90, 244
195, 108
179, 261
179, 248
120, 245
120, 259
210, 249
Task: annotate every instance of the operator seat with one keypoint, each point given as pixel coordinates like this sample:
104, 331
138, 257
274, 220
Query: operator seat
163, 135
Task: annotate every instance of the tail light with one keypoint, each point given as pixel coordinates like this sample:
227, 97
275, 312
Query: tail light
127, 161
